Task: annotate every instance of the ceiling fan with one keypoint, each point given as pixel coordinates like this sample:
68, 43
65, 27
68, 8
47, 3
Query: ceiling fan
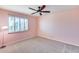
40, 10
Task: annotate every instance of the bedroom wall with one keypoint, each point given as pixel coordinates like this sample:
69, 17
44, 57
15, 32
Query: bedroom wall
15, 37
61, 26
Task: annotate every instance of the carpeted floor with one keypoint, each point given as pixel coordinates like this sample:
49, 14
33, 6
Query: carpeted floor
40, 45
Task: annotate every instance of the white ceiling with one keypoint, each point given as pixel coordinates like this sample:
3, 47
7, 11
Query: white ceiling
25, 8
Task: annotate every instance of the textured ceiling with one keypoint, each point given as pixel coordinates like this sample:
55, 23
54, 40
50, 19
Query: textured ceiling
24, 8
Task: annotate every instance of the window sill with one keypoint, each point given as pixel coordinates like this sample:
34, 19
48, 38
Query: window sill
17, 32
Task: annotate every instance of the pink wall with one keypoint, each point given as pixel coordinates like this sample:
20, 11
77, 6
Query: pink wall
61, 26
15, 37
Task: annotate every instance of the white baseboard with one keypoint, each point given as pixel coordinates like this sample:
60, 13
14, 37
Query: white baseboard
17, 41
59, 40
46, 36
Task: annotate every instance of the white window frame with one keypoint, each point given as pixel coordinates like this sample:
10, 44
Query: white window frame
20, 25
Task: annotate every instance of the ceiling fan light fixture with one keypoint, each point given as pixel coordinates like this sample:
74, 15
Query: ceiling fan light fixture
40, 10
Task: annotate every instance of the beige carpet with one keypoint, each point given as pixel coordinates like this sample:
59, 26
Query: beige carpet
39, 45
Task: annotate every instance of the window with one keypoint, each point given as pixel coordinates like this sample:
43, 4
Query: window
17, 24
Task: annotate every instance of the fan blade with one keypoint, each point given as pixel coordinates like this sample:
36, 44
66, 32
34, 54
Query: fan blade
34, 13
46, 11
32, 9
40, 13
41, 8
